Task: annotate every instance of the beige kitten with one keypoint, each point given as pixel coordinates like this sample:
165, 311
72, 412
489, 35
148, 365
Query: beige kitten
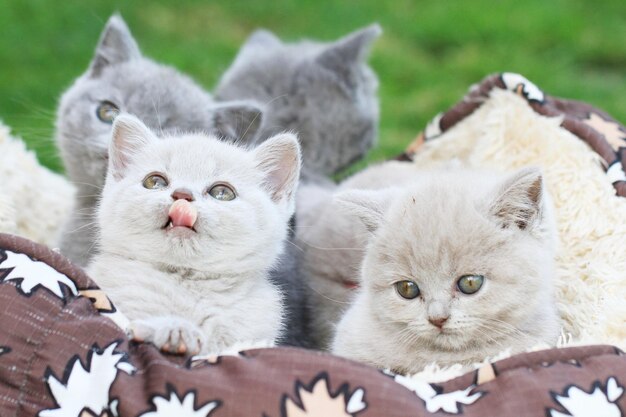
459, 268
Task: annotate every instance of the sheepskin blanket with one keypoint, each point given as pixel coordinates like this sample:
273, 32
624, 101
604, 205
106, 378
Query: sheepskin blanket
505, 123
34, 201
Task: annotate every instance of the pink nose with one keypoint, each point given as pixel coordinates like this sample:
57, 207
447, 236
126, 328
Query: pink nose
182, 194
438, 321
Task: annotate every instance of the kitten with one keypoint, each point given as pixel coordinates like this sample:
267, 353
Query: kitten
459, 268
328, 95
190, 227
119, 78
325, 92
333, 243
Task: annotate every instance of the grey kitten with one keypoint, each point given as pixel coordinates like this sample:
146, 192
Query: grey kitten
328, 95
119, 78
459, 268
325, 92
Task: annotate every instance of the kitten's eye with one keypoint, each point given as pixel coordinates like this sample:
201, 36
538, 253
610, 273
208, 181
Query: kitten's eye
407, 289
222, 192
155, 182
469, 284
107, 112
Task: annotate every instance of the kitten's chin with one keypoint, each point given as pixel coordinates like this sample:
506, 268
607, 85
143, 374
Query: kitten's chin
180, 232
448, 341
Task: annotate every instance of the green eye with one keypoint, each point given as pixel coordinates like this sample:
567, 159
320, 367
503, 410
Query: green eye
222, 192
155, 182
469, 284
107, 112
407, 289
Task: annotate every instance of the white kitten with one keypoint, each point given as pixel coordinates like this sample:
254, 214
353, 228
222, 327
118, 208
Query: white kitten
459, 268
190, 226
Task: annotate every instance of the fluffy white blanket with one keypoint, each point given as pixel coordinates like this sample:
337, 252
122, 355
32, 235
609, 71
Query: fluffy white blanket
34, 201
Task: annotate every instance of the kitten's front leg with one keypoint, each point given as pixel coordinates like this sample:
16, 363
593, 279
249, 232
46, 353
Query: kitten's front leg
223, 337
170, 334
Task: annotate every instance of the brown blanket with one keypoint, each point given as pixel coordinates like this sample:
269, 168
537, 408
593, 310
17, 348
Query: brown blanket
62, 355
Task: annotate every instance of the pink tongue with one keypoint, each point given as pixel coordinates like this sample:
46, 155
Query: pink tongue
183, 213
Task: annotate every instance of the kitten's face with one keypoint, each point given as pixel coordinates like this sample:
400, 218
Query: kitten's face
193, 201
88, 108
120, 79
325, 93
448, 270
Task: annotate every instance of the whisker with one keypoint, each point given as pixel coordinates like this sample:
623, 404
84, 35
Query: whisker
90, 225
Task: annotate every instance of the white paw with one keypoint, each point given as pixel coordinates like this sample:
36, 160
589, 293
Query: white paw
170, 334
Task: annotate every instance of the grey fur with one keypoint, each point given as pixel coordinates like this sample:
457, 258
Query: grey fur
164, 99
326, 93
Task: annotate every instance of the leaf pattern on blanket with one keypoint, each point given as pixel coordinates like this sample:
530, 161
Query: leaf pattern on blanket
597, 402
87, 387
29, 275
171, 404
436, 400
317, 400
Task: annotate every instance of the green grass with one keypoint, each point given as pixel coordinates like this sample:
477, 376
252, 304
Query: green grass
428, 56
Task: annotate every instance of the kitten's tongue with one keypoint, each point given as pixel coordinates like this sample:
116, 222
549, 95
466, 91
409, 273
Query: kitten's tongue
183, 213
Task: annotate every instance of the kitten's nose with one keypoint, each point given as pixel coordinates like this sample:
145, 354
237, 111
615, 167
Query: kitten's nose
182, 194
437, 321
438, 313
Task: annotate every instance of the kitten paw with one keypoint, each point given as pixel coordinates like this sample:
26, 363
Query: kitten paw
170, 334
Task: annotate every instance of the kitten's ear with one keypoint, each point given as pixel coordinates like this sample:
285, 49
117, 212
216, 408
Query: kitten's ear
116, 45
519, 199
279, 158
368, 205
342, 56
128, 137
238, 120
261, 38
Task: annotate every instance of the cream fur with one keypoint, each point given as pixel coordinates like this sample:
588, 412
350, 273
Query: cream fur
442, 225
33, 200
505, 133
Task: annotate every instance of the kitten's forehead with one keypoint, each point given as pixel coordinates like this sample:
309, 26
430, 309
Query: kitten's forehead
160, 96
198, 158
262, 74
438, 229
274, 67
128, 73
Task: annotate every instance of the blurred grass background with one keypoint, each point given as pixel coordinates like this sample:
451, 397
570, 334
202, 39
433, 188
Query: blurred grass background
429, 54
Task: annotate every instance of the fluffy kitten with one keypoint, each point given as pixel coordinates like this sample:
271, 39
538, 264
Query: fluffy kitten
459, 268
190, 227
325, 92
119, 78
